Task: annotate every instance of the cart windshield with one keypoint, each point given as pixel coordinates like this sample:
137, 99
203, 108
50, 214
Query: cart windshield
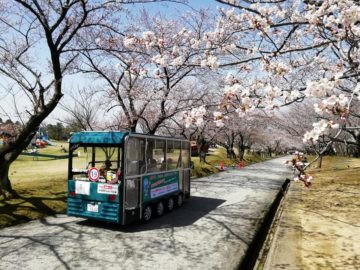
94, 163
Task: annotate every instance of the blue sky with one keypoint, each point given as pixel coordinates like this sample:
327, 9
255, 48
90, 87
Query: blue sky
173, 8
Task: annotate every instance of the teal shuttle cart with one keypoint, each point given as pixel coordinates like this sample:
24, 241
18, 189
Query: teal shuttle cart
122, 177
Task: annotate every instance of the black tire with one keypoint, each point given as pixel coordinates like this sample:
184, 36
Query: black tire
160, 208
170, 203
147, 213
180, 200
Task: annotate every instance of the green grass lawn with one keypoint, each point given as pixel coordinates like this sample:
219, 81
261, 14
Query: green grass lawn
215, 157
41, 185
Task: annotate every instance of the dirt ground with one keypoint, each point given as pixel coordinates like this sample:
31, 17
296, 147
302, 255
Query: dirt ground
319, 227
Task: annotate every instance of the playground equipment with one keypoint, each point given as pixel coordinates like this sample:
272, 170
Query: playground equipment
41, 139
47, 141
43, 136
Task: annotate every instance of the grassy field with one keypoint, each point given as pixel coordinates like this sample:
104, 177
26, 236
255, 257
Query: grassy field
321, 224
215, 157
41, 184
336, 188
331, 230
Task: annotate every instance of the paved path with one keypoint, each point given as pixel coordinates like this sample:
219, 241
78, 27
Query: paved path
211, 231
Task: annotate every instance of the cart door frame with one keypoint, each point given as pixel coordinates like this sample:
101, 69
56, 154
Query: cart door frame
138, 208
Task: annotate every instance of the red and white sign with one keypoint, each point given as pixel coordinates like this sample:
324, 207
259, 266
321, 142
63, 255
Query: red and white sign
94, 174
108, 189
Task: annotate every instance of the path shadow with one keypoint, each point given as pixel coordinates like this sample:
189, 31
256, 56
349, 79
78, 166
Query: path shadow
192, 210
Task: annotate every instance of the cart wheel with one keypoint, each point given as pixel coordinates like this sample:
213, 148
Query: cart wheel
170, 204
147, 214
180, 200
160, 208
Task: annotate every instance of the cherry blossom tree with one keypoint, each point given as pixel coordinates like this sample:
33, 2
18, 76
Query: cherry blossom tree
83, 110
233, 132
282, 52
149, 70
37, 52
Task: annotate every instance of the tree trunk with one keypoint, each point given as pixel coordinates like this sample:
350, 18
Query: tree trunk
241, 154
241, 149
5, 184
202, 156
133, 127
9, 152
201, 149
319, 163
357, 153
228, 152
347, 148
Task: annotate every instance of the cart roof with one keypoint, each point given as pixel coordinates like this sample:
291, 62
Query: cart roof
98, 137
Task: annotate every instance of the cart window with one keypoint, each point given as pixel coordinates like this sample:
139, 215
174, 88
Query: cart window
173, 154
156, 155
81, 162
135, 156
105, 159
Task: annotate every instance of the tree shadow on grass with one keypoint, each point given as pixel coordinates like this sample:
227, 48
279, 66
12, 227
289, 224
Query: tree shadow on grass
20, 208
